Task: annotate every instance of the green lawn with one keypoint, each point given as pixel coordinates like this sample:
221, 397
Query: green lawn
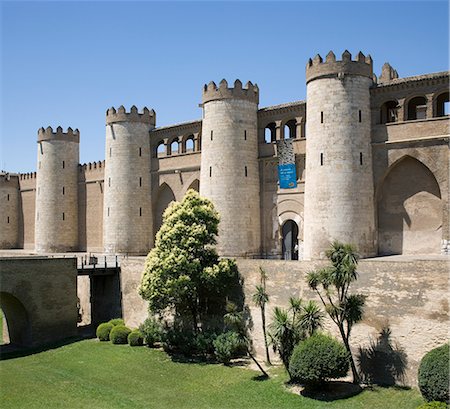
90, 374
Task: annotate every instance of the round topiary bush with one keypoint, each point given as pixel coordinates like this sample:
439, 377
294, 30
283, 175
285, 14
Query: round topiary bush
119, 334
434, 374
103, 331
135, 338
151, 331
318, 359
117, 321
433, 405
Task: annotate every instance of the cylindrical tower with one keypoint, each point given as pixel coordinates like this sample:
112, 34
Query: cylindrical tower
9, 215
229, 174
127, 211
339, 182
56, 228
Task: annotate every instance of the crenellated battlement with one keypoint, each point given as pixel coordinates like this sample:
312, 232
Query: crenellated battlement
121, 115
29, 175
212, 92
330, 68
91, 166
48, 134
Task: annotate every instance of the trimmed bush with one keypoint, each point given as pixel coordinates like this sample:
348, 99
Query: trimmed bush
434, 374
433, 405
177, 340
227, 346
151, 331
117, 321
135, 338
119, 334
318, 359
103, 331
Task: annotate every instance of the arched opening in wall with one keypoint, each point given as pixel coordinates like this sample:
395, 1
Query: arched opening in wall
164, 197
289, 244
290, 129
409, 210
389, 112
174, 148
189, 144
195, 185
442, 105
4, 333
270, 133
161, 150
16, 325
417, 108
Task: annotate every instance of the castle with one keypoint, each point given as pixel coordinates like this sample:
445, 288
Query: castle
366, 158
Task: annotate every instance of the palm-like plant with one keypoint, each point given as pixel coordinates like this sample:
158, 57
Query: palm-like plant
311, 318
332, 285
261, 298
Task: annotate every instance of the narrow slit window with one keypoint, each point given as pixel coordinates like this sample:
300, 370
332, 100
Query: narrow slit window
108, 211
109, 182
8, 197
110, 152
321, 159
360, 158
246, 172
245, 135
140, 211
360, 116
8, 219
64, 164
210, 171
140, 151
321, 117
211, 135
63, 190
140, 181
64, 216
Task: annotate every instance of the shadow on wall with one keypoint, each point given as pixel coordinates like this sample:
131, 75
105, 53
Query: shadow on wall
383, 362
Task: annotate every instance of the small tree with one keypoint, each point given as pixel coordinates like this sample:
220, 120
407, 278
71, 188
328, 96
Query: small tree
183, 271
260, 298
332, 285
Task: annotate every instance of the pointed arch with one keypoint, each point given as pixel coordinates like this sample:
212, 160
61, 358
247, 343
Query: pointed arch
409, 209
164, 197
194, 185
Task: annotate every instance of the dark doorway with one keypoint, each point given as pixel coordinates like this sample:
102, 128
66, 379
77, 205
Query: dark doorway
290, 240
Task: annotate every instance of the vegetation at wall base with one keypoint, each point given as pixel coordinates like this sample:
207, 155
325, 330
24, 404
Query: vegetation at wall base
434, 374
317, 359
103, 331
135, 338
151, 330
117, 321
228, 346
119, 334
74, 376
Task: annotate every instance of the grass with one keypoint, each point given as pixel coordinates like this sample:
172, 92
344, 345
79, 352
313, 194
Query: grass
95, 375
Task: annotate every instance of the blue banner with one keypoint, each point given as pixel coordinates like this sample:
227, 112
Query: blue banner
287, 176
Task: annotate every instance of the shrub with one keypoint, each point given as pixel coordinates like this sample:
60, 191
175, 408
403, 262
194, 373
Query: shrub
433, 405
135, 338
119, 334
117, 321
183, 341
318, 359
103, 331
151, 331
227, 346
434, 374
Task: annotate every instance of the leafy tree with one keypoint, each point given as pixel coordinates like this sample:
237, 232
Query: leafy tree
261, 298
332, 285
183, 271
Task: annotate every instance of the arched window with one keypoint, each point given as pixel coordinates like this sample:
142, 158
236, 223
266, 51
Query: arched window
289, 232
174, 148
389, 112
190, 144
442, 105
417, 108
161, 150
270, 133
290, 129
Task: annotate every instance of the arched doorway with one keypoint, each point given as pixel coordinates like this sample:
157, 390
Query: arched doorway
16, 319
165, 196
409, 210
195, 185
289, 242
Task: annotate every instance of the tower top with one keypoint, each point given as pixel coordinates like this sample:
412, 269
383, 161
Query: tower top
212, 92
332, 68
121, 115
47, 134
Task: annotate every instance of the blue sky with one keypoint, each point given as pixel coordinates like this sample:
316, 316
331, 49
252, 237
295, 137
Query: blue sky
64, 63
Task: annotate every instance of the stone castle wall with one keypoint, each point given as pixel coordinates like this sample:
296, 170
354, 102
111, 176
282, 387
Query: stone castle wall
9, 216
